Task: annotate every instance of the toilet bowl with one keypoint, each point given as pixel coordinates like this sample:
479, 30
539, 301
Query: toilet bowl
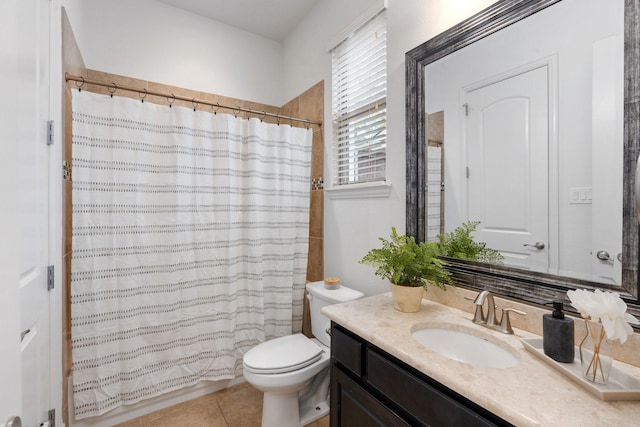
293, 371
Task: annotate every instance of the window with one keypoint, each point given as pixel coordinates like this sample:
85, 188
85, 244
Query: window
359, 78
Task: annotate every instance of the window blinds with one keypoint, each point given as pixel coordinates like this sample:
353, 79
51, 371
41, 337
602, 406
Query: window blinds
359, 77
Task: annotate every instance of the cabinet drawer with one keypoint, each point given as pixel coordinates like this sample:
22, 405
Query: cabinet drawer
418, 398
346, 350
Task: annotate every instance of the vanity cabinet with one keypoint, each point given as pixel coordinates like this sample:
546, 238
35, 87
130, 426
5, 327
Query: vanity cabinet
369, 387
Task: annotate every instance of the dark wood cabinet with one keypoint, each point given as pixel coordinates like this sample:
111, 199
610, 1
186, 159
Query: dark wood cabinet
369, 387
357, 407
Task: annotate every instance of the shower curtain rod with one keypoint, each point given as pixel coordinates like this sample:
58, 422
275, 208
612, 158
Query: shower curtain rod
112, 87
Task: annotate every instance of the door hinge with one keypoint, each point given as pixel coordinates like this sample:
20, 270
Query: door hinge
51, 421
50, 132
66, 171
467, 172
50, 277
466, 109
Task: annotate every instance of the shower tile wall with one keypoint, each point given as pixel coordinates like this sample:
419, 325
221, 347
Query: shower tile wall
310, 104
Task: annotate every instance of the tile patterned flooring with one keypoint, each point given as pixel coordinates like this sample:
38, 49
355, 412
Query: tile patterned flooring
236, 406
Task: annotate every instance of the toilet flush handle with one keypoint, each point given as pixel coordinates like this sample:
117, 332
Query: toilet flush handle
328, 331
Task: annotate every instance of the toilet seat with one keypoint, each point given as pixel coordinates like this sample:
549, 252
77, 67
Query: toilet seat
284, 354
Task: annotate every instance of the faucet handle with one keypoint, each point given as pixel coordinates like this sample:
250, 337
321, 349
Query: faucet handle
505, 322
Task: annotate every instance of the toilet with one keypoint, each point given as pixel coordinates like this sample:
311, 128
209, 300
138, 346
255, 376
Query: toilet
293, 371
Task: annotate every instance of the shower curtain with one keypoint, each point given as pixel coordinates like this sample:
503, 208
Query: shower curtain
189, 246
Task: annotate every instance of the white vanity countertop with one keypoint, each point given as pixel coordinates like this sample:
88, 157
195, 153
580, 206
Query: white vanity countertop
529, 394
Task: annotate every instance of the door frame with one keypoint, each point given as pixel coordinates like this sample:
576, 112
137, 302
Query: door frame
56, 213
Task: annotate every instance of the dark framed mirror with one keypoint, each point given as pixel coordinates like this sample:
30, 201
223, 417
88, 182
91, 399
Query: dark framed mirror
532, 286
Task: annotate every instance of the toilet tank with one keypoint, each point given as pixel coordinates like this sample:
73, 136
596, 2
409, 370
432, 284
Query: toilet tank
319, 297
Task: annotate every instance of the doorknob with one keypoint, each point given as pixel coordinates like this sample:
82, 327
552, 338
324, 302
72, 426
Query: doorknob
538, 245
604, 256
14, 422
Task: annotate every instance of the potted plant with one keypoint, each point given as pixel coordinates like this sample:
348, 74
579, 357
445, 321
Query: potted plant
460, 244
410, 267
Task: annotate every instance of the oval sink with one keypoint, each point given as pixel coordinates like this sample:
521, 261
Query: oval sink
465, 346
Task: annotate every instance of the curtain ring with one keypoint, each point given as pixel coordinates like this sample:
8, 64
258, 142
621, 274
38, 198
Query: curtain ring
278, 120
291, 121
217, 108
264, 114
79, 86
115, 88
143, 97
194, 103
236, 111
173, 99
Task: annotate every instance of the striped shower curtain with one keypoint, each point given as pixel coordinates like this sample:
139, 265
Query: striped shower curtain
190, 236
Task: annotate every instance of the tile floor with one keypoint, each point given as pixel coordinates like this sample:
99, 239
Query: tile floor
237, 406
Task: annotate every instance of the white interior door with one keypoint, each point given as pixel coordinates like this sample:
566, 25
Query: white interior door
24, 316
507, 141
10, 392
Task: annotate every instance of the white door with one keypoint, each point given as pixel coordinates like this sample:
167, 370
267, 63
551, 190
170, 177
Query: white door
24, 318
506, 131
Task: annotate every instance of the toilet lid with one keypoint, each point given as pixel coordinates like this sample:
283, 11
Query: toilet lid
284, 354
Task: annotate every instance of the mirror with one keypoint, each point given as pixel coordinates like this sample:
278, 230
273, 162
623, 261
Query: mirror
428, 98
534, 140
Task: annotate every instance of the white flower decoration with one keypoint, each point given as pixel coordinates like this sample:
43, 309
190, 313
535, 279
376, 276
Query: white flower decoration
606, 307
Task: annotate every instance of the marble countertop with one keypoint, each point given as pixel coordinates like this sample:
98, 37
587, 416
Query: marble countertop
529, 394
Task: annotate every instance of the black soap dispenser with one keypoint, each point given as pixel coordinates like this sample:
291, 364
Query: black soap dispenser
558, 335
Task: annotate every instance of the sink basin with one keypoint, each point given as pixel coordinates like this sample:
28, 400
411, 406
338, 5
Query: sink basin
467, 346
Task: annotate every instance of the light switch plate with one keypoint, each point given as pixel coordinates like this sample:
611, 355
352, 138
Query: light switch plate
580, 195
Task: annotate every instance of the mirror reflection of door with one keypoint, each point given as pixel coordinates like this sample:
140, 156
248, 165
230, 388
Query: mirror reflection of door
435, 175
607, 163
507, 141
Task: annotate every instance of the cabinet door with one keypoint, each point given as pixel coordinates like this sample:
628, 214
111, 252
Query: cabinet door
352, 406
346, 351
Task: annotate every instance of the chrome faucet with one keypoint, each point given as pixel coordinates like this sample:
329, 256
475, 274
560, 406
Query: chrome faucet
491, 321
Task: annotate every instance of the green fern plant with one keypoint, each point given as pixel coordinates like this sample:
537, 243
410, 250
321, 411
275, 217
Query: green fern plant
404, 262
460, 244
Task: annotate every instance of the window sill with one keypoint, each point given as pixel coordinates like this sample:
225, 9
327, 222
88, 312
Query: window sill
360, 191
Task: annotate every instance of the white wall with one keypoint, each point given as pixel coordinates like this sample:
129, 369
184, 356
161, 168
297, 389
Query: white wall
149, 40
352, 227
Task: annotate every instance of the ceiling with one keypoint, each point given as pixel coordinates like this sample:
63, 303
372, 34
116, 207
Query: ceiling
273, 19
